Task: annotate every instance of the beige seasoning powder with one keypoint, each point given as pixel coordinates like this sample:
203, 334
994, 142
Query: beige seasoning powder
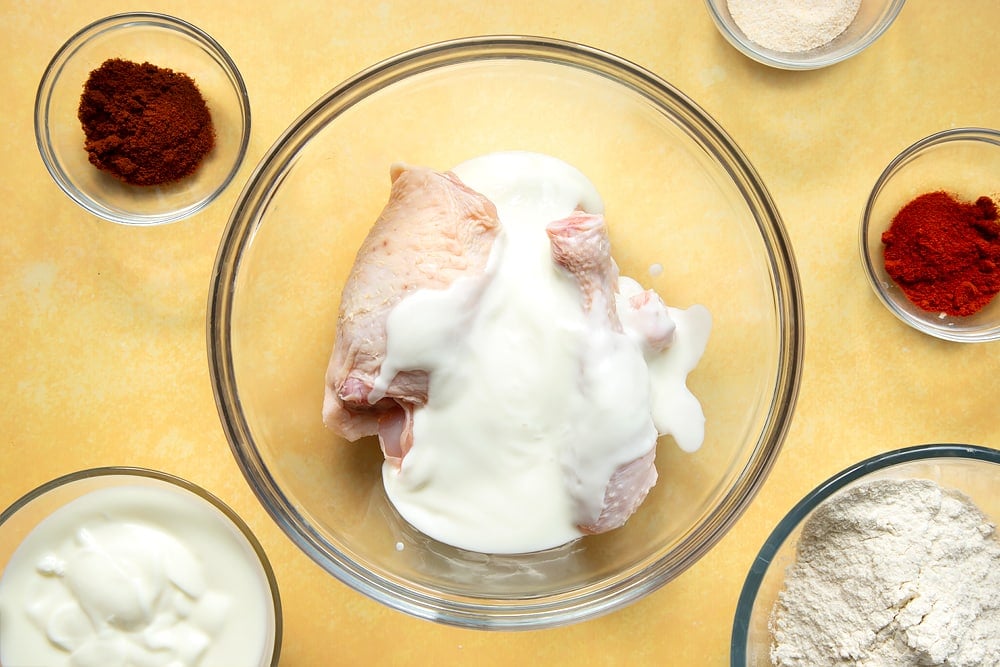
792, 26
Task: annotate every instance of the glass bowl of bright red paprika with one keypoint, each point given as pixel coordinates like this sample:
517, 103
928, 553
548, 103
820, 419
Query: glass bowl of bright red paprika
142, 118
930, 235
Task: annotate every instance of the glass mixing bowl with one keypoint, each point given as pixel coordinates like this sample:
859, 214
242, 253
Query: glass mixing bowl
678, 195
969, 469
139, 498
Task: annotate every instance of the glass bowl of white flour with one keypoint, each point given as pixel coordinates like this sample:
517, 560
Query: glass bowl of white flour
893, 561
801, 35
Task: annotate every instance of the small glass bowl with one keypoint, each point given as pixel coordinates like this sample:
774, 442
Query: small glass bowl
961, 161
164, 41
873, 18
200, 510
972, 470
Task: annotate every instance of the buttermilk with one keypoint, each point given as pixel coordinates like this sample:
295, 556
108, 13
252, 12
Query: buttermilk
516, 445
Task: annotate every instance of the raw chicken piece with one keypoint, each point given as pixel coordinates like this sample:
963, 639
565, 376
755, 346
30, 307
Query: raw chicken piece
580, 244
648, 316
432, 231
626, 490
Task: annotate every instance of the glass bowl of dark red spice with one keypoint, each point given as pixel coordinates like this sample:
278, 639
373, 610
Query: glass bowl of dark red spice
142, 118
930, 235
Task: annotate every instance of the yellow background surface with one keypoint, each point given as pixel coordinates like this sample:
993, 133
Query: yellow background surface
103, 326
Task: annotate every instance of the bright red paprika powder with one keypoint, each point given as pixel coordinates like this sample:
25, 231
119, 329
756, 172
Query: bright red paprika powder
944, 253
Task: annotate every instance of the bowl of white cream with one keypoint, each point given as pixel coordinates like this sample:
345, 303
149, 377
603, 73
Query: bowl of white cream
505, 332
121, 565
893, 561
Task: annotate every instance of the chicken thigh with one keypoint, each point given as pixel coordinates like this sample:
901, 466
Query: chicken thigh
581, 246
432, 231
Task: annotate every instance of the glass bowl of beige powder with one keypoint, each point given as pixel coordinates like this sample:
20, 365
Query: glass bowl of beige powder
893, 561
797, 35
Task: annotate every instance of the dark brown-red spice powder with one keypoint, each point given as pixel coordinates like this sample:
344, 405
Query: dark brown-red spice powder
945, 253
145, 125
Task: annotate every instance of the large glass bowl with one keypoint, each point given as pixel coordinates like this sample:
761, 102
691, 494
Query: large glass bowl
678, 194
972, 470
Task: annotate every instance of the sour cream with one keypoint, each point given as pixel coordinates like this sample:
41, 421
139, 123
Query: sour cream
518, 440
135, 575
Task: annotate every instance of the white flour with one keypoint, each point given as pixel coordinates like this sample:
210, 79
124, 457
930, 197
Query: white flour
791, 26
892, 573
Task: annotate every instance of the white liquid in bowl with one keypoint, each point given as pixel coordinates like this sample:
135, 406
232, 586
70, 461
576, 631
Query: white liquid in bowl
534, 403
136, 575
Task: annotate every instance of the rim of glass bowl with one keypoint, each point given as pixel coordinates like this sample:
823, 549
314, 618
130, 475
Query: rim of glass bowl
543, 611
744, 607
180, 482
775, 59
982, 134
43, 97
